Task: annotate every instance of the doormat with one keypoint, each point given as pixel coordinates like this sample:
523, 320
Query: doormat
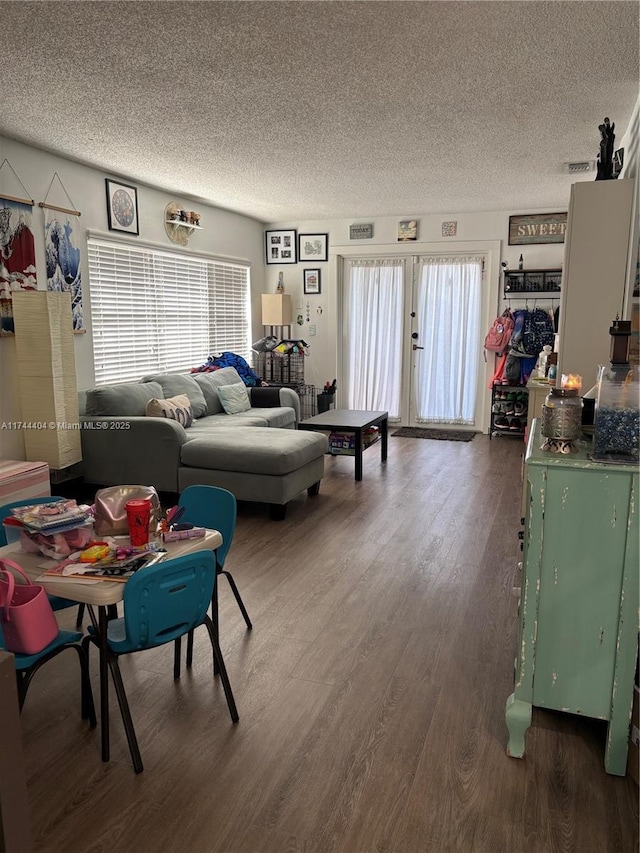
436, 434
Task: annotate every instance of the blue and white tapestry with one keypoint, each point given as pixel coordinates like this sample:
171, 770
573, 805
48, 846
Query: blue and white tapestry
63, 259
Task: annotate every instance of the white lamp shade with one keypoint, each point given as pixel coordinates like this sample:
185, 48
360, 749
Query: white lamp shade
276, 309
46, 367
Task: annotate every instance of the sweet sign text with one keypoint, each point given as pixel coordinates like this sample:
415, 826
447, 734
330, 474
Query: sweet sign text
537, 228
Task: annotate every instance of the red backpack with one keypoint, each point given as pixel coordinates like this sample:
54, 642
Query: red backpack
499, 335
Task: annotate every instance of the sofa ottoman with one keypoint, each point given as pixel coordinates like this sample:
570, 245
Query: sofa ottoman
258, 464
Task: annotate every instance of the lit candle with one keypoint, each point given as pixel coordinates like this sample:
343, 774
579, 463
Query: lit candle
571, 380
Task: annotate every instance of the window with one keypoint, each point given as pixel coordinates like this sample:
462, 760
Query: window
156, 311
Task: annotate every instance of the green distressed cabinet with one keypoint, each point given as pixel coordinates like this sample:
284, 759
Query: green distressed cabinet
578, 615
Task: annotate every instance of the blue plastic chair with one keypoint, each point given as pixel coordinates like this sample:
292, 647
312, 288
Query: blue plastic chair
161, 604
55, 601
27, 666
215, 508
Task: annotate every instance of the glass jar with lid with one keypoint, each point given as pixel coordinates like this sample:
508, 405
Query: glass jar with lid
617, 417
561, 419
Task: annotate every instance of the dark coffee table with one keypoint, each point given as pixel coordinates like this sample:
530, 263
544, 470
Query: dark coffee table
350, 420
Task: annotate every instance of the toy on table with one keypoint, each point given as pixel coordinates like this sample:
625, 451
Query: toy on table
172, 529
96, 551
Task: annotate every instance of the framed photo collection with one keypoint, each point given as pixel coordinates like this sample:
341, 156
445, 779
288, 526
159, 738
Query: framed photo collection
122, 207
281, 246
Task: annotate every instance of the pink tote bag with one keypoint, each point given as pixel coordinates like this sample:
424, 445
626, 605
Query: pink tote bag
27, 620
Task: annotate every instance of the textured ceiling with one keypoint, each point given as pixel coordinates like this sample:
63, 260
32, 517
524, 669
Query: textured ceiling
291, 111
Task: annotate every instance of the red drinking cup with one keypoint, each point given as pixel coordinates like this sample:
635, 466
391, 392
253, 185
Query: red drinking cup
138, 518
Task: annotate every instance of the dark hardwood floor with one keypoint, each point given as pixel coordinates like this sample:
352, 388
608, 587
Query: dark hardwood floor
371, 692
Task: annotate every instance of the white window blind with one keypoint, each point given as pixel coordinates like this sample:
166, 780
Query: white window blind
156, 311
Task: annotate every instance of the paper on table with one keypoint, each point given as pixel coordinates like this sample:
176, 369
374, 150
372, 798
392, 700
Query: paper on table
109, 569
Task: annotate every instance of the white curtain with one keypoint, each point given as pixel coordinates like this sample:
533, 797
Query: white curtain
373, 334
448, 310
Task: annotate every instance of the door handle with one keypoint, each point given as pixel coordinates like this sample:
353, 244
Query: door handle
415, 347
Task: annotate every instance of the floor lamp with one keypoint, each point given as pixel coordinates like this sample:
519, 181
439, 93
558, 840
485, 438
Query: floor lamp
46, 368
277, 312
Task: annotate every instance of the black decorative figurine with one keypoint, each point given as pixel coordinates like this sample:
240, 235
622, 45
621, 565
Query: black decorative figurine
605, 157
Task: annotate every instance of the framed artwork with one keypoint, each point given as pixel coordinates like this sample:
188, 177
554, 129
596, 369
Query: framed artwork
407, 230
280, 247
363, 231
313, 247
537, 228
311, 281
122, 207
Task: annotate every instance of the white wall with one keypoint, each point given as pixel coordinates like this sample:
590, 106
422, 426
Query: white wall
473, 228
224, 233
631, 144
233, 235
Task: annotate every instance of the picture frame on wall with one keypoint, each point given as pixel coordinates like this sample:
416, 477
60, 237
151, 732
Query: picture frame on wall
313, 247
281, 246
529, 228
122, 207
311, 281
407, 230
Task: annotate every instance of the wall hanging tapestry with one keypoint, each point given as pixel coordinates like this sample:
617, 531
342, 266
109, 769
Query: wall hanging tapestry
435, 434
62, 253
17, 250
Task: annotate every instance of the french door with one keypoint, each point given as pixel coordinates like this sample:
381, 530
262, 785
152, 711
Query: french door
447, 298
411, 337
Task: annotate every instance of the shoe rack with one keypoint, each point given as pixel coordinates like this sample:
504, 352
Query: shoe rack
509, 409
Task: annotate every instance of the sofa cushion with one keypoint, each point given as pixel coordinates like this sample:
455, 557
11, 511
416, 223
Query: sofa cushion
210, 382
210, 390
125, 400
234, 398
175, 384
282, 417
261, 450
177, 408
212, 423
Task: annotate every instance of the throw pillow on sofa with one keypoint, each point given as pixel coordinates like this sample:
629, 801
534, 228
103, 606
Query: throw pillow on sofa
176, 408
234, 398
176, 384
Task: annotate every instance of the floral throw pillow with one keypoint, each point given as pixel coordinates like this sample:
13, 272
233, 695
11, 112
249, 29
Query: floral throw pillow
234, 398
177, 408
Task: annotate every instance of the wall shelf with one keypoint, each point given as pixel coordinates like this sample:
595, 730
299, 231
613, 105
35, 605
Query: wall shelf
177, 230
184, 224
522, 284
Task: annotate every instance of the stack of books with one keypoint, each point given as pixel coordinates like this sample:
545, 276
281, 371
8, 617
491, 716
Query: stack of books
52, 517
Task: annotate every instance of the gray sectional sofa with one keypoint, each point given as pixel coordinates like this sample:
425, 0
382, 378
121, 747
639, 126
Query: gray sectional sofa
259, 455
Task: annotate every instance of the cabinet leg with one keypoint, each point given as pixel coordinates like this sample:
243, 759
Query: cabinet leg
615, 756
518, 719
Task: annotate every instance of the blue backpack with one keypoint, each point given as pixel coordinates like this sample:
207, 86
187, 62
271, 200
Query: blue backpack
537, 331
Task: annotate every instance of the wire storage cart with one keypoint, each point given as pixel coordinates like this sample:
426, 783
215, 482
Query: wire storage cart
285, 369
308, 401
